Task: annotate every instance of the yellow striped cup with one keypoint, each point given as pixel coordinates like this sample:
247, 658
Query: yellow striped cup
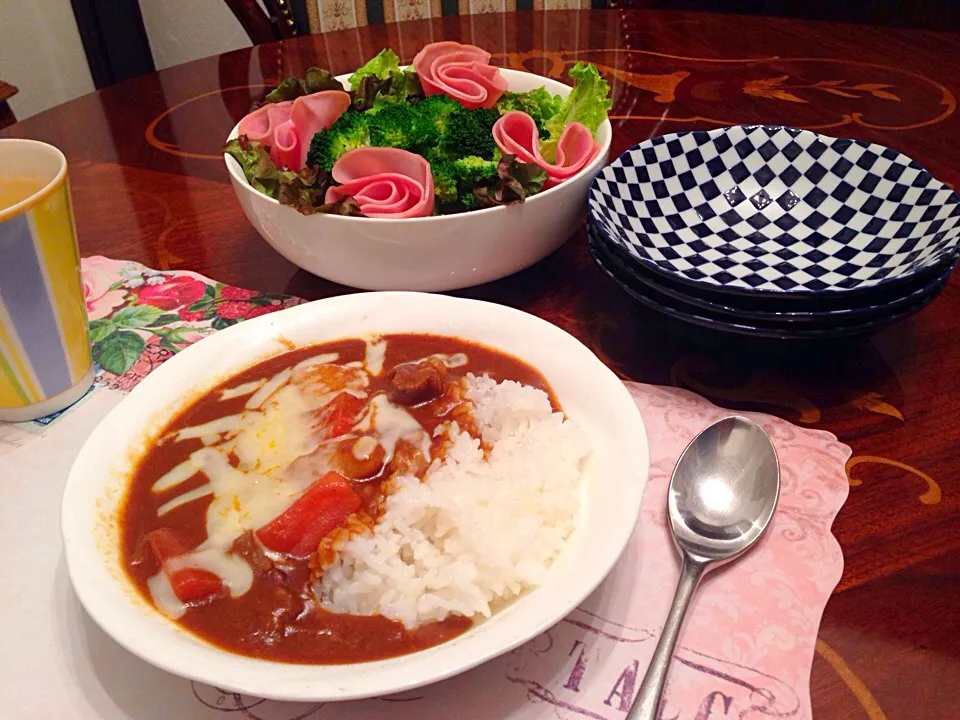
45, 363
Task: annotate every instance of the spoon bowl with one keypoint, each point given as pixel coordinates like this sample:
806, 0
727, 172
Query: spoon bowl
723, 492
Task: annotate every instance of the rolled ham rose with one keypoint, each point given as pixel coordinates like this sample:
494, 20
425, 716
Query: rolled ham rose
288, 127
516, 134
285, 147
261, 124
312, 113
385, 182
463, 72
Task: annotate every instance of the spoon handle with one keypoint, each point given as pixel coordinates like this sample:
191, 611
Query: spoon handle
646, 706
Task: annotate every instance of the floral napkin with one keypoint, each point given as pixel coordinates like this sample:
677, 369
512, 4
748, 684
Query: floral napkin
745, 651
140, 317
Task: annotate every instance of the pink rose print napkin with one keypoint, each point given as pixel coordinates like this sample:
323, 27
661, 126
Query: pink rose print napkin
140, 317
745, 651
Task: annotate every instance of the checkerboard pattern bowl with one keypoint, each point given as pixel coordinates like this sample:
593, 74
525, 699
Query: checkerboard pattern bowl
775, 210
756, 319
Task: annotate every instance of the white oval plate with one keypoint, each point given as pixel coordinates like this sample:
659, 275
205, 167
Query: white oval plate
590, 394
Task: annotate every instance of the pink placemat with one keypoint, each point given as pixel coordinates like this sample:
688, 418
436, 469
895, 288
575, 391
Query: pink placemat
745, 651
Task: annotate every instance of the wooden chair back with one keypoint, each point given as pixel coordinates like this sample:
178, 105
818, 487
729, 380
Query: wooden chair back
7, 91
276, 24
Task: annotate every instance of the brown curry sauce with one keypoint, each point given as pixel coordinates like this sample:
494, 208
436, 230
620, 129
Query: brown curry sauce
278, 618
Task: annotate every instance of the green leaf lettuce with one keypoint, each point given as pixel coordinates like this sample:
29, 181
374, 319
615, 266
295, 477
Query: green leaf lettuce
539, 103
304, 191
514, 183
587, 103
382, 65
314, 80
260, 171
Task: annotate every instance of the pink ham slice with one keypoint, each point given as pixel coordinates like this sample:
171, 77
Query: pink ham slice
288, 127
385, 182
312, 113
463, 72
261, 124
286, 146
516, 134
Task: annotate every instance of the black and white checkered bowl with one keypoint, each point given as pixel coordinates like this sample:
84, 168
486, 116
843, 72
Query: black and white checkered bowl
776, 211
754, 315
679, 307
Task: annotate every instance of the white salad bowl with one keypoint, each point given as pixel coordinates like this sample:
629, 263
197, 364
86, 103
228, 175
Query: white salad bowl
591, 395
443, 252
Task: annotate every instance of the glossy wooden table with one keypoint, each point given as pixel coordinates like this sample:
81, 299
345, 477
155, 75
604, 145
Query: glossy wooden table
149, 185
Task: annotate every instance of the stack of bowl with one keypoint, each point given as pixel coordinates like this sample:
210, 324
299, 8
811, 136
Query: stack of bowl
774, 231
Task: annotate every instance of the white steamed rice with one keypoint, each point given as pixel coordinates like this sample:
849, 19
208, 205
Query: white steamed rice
477, 532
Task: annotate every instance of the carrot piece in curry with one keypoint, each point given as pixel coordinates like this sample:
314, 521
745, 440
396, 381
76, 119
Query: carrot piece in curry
322, 507
189, 584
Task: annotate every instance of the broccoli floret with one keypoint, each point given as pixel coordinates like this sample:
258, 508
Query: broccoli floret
467, 200
468, 171
444, 182
470, 132
447, 129
434, 154
399, 125
435, 109
392, 126
351, 130
454, 180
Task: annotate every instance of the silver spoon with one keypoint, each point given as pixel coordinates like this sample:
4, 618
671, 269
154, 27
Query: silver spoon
722, 495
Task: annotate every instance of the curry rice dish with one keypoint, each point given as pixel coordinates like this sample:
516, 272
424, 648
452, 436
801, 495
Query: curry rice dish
355, 500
